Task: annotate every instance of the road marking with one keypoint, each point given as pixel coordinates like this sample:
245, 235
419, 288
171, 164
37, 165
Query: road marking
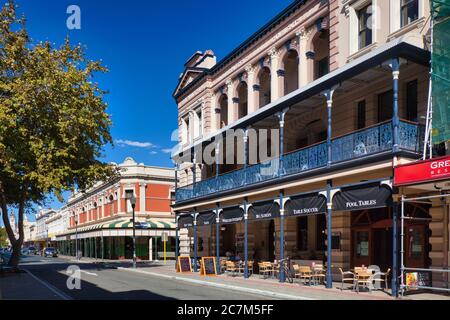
89, 273
223, 286
56, 291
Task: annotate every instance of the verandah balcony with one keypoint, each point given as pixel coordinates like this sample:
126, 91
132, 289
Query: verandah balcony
359, 144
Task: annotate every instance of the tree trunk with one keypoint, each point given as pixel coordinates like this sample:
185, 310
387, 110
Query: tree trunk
15, 243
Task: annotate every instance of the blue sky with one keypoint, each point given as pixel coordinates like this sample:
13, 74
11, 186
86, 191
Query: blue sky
145, 44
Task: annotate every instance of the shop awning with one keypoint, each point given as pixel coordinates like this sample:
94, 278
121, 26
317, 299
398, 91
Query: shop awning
360, 197
264, 210
307, 204
206, 218
186, 221
232, 215
152, 223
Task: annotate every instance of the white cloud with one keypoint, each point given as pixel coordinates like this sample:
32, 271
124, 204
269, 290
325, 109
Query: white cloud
168, 150
153, 152
137, 144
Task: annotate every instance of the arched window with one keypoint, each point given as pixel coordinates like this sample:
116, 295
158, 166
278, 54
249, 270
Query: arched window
223, 105
264, 87
243, 101
321, 49
290, 72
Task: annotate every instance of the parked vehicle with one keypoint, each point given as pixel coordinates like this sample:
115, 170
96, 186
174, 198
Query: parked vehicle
50, 252
32, 250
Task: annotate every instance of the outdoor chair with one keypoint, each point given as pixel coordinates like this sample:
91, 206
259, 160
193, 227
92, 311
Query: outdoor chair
305, 274
231, 268
250, 267
223, 265
347, 276
380, 277
318, 273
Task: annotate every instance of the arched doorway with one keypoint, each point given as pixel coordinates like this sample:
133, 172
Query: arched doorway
264, 87
372, 237
223, 116
290, 71
242, 92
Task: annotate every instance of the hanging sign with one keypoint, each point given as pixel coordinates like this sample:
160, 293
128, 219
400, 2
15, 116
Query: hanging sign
186, 221
423, 171
232, 215
362, 197
207, 218
308, 204
264, 210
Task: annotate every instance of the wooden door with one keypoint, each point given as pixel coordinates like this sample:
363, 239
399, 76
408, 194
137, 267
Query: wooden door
361, 248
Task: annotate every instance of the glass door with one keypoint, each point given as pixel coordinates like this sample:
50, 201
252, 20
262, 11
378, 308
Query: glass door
361, 247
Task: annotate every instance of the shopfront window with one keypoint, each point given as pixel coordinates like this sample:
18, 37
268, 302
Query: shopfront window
362, 244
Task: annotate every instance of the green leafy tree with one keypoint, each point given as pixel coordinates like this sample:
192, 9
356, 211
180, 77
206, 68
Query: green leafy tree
53, 121
3, 238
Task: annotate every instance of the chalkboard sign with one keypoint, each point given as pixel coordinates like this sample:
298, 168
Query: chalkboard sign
208, 266
184, 264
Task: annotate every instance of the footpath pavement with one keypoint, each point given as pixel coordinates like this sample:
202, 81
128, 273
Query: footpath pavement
256, 285
24, 285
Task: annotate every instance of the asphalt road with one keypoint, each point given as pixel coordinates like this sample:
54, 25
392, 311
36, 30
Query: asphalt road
108, 283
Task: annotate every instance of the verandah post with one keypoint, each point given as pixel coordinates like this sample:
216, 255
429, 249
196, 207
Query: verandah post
282, 275
329, 215
245, 240
218, 240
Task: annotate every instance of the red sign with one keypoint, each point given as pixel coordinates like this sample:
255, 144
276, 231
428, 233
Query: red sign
423, 171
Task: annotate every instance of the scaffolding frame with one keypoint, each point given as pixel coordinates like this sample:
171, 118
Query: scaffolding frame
403, 268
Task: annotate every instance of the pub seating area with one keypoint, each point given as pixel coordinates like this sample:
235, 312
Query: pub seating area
369, 278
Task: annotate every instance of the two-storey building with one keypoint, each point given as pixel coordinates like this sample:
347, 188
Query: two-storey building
345, 85
100, 219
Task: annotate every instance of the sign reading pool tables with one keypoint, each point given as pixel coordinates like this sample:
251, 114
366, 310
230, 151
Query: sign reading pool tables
422, 171
184, 264
208, 267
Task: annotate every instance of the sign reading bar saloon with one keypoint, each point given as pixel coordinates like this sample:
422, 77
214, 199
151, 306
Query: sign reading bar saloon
423, 171
309, 204
363, 197
264, 210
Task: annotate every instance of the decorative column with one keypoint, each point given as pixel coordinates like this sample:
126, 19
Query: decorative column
329, 96
218, 239
282, 275
142, 199
281, 116
251, 95
231, 104
274, 78
395, 65
329, 215
302, 59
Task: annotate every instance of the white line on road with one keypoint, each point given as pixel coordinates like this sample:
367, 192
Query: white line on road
223, 286
89, 273
56, 291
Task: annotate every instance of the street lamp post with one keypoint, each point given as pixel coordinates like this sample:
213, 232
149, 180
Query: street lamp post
76, 236
133, 205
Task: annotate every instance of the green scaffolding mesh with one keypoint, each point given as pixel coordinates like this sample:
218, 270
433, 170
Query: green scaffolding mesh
441, 70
